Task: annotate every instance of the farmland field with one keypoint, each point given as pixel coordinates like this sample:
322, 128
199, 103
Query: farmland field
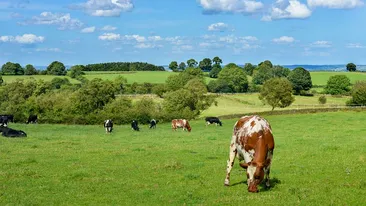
319, 159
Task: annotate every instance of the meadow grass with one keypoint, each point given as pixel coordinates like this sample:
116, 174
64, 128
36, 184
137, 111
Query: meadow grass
321, 78
319, 159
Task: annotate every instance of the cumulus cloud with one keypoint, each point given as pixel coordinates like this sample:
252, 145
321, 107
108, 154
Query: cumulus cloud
287, 9
88, 29
109, 37
218, 27
108, 28
284, 39
105, 7
355, 46
63, 21
321, 44
231, 6
24, 39
336, 4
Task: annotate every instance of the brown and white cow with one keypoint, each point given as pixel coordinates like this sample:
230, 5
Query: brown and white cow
181, 123
253, 142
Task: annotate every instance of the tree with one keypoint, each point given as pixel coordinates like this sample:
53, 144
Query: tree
173, 66
192, 63
1, 80
358, 94
279, 71
217, 61
10, 68
267, 63
277, 92
56, 68
215, 71
175, 82
263, 74
337, 84
351, 67
249, 68
30, 70
300, 79
205, 64
76, 70
182, 66
235, 78
219, 86
57, 82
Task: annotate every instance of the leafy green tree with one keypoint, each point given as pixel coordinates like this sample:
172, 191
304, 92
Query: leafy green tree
217, 61
215, 71
219, 86
120, 84
249, 68
76, 70
192, 63
57, 82
30, 70
300, 79
351, 67
358, 94
10, 68
277, 92
1, 80
267, 63
338, 84
56, 68
173, 66
205, 64
263, 73
235, 78
159, 89
279, 71
182, 66
175, 82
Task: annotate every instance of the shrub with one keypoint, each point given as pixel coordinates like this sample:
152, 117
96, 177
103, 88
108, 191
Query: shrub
337, 84
358, 93
322, 99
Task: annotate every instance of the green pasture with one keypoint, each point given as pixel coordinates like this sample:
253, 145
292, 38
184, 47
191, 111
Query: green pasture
321, 78
319, 159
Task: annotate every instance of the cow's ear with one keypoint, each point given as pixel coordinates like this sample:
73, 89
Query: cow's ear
244, 165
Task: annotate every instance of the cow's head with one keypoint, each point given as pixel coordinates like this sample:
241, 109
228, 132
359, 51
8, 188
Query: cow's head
189, 128
255, 175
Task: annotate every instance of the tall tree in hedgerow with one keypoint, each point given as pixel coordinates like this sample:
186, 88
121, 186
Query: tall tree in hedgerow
30, 70
173, 66
235, 77
277, 92
191, 63
300, 79
205, 64
56, 68
351, 67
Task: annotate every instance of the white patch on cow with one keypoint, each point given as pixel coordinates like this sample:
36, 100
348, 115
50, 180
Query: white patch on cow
248, 155
251, 170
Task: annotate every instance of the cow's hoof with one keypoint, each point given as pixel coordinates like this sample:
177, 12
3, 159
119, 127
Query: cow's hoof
227, 183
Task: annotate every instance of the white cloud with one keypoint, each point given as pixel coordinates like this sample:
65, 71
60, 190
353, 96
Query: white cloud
63, 21
24, 39
231, 6
336, 4
109, 36
108, 28
136, 37
48, 50
321, 44
250, 38
155, 38
177, 40
105, 7
147, 46
355, 46
284, 39
218, 27
186, 47
287, 9
88, 29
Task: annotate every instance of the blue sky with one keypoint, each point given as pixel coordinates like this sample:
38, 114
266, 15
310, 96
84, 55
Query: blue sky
160, 31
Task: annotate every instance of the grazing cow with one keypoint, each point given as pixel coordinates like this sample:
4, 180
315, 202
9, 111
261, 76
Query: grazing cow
153, 123
8, 132
211, 120
32, 119
135, 125
5, 119
252, 141
108, 125
181, 123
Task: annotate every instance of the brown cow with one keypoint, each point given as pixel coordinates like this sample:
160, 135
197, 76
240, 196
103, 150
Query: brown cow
253, 142
181, 123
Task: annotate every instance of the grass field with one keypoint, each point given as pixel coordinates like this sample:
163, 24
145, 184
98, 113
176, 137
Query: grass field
321, 78
319, 159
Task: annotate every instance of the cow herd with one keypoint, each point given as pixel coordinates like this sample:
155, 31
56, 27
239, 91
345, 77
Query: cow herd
9, 132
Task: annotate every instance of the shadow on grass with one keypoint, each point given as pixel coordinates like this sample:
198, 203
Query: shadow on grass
273, 182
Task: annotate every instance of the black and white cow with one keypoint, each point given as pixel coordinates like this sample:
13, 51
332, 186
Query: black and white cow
212, 120
153, 123
9, 132
108, 125
135, 126
5, 119
32, 119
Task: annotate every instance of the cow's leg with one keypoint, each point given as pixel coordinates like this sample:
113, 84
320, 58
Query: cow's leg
230, 162
267, 170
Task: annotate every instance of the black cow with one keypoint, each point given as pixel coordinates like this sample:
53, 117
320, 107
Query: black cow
135, 126
211, 120
108, 125
9, 132
5, 119
153, 123
32, 119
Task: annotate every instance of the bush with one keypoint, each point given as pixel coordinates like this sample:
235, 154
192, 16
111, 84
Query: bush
322, 99
358, 94
338, 84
